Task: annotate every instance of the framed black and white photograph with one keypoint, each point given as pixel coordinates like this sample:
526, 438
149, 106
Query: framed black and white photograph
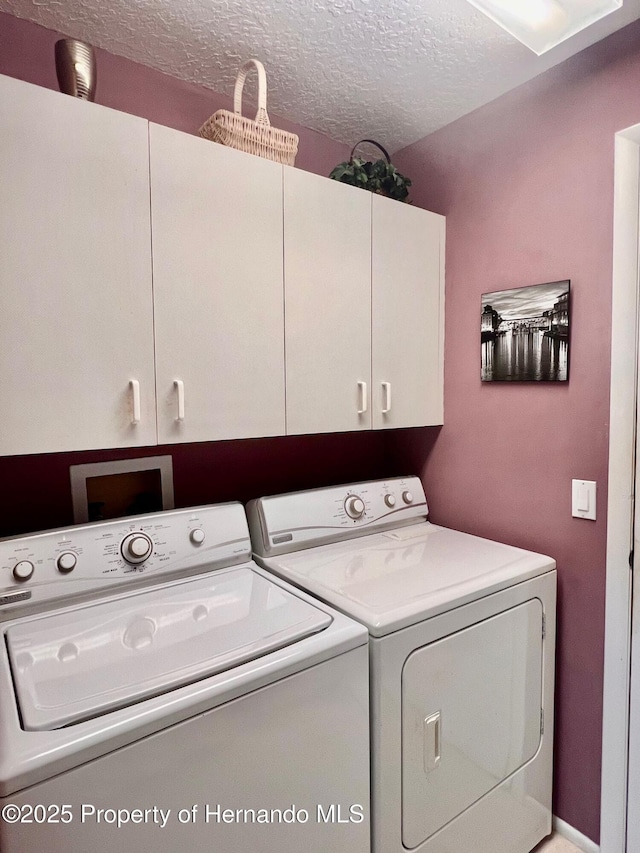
524, 334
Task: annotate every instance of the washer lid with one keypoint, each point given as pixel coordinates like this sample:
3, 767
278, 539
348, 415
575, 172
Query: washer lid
75, 665
394, 579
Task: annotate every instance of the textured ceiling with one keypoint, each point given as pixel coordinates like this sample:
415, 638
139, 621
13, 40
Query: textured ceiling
394, 70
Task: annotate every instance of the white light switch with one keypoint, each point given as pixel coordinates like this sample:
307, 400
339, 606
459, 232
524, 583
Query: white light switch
583, 499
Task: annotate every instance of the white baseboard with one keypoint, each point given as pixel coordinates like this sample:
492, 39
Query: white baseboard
567, 831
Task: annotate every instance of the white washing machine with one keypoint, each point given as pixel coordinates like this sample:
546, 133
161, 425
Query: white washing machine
462, 638
160, 692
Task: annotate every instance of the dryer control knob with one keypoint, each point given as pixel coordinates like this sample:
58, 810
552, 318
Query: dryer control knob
197, 536
407, 497
23, 570
390, 500
354, 506
66, 562
136, 547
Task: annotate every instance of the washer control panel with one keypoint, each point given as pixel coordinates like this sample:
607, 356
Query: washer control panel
284, 523
75, 561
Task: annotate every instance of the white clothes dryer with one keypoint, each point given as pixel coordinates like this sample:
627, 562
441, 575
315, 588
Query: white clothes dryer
160, 692
462, 639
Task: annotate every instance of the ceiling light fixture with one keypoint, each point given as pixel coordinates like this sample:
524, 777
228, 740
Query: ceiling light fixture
542, 24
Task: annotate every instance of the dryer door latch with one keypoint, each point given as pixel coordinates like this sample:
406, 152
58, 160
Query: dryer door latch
431, 742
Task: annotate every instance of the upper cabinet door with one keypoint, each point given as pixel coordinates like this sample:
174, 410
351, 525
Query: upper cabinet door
218, 292
327, 252
408, 312
76, 322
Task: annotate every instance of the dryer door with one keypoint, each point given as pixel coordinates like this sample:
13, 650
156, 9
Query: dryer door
471, 714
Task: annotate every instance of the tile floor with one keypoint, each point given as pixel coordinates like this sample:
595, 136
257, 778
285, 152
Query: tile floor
556, 844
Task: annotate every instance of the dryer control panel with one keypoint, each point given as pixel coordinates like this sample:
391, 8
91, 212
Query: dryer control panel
284, 523
74, 561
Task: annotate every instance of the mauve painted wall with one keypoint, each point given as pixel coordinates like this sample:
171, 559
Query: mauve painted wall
526, 184
35, 491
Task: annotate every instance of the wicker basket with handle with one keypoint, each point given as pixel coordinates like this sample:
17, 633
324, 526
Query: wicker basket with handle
255, 136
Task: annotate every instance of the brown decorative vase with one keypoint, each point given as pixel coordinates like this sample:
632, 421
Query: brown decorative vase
76, 68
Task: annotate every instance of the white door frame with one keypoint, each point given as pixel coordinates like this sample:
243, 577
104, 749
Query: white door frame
622, 455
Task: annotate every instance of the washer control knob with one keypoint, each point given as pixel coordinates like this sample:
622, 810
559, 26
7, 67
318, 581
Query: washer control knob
197, 536
407, 497
67, 562
390, 500
354, 506
136, 547
23, 570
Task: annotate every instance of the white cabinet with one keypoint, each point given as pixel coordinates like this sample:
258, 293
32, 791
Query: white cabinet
218, 290
364, 291
281, 302
407, 280
327, 252
76, 322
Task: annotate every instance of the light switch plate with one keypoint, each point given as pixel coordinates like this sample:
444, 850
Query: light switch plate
583, 499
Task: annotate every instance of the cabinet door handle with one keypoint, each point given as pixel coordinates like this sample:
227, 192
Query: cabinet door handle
431, 742
364, 403
386, 398
135, 399
178, 384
